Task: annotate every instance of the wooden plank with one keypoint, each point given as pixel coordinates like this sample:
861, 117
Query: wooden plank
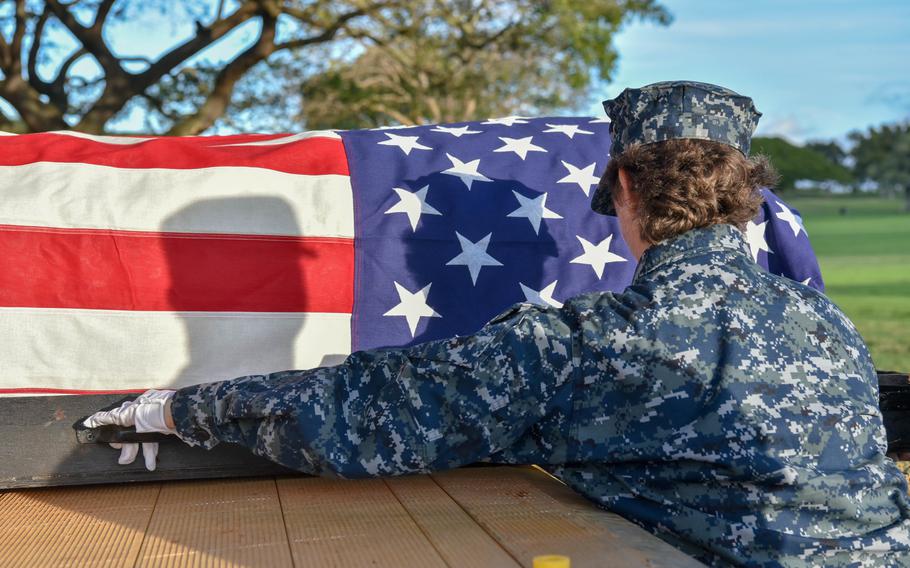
497, 516
455, 536
38, 448
530, 513
75, 526
333, 523
217, 523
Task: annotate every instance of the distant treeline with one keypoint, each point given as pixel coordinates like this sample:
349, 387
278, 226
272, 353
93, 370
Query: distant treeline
877, 159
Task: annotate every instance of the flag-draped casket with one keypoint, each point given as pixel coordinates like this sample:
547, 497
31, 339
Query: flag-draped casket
132, 262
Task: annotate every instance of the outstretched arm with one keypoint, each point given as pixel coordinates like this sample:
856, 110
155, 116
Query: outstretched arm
386, 412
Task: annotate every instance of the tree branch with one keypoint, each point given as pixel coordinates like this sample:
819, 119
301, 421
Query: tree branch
13, 126
101, 16
120, 86
82, 83
16, 43
33, 78
326, 35
302, 14
58, 85
363, 34
36, 115
139, 58
219, 98
158, 104
395, 115
204, 37
91, 38
5, 57
17, 90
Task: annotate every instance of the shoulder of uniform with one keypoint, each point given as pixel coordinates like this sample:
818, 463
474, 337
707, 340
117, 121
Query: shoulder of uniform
513, 311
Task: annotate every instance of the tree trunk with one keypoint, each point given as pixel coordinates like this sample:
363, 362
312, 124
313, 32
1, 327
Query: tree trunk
37, 116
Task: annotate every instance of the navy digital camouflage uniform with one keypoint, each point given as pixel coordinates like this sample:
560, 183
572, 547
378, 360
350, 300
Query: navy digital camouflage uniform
731, 412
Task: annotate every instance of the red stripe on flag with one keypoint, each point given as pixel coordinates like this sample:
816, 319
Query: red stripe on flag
125, 270
310, 156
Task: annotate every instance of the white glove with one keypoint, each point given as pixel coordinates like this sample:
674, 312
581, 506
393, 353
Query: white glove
146, 414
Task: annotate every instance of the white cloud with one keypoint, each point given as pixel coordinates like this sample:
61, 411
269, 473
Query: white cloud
789, 127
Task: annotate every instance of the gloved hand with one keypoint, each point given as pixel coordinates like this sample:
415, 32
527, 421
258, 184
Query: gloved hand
146, 414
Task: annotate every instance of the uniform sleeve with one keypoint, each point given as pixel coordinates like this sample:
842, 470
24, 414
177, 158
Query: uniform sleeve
433, 406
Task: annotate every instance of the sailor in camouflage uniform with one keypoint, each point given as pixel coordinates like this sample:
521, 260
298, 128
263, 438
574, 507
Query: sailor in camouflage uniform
731, 412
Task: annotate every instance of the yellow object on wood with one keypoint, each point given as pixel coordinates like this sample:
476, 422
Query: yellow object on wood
552, 561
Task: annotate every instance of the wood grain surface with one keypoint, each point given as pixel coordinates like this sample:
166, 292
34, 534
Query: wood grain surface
477, 517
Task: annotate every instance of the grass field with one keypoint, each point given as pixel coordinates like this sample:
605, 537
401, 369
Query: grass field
865, 261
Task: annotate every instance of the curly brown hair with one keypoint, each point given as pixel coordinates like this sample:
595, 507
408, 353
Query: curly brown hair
685, 184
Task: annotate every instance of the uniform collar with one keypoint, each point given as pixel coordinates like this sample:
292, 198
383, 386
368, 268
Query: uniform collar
691, 243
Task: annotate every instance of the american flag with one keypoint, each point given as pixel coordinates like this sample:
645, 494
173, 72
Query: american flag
131, 262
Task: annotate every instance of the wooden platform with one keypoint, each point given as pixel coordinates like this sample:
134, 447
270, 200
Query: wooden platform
475, 517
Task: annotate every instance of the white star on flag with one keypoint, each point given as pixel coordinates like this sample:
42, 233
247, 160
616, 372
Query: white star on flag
406, 143
521, 146
474, 256
507, 120
412, 204
569, 130
806, 281
465, 171
584, 177
596, 256
795, 221
412, 306
456, 132
534, 210
755, 235
542, 297
596, 120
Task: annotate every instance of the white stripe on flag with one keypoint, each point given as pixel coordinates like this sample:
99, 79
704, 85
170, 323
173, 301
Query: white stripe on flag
126, 350
206, 200
286, 139
118, 140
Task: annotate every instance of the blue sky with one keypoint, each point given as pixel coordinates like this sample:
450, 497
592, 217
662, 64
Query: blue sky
816, 69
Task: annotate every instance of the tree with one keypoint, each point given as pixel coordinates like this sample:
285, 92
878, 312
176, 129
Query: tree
450, 61
883, 155
329, 62
47, 103
829, 149
796, 163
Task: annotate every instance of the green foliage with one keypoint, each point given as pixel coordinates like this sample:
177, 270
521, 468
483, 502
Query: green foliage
829, 149
455, 60
883, 155
796, 162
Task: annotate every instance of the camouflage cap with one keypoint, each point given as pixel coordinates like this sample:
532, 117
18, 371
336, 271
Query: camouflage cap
676, 109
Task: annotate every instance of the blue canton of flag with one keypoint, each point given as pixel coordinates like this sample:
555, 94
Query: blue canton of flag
454, 223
